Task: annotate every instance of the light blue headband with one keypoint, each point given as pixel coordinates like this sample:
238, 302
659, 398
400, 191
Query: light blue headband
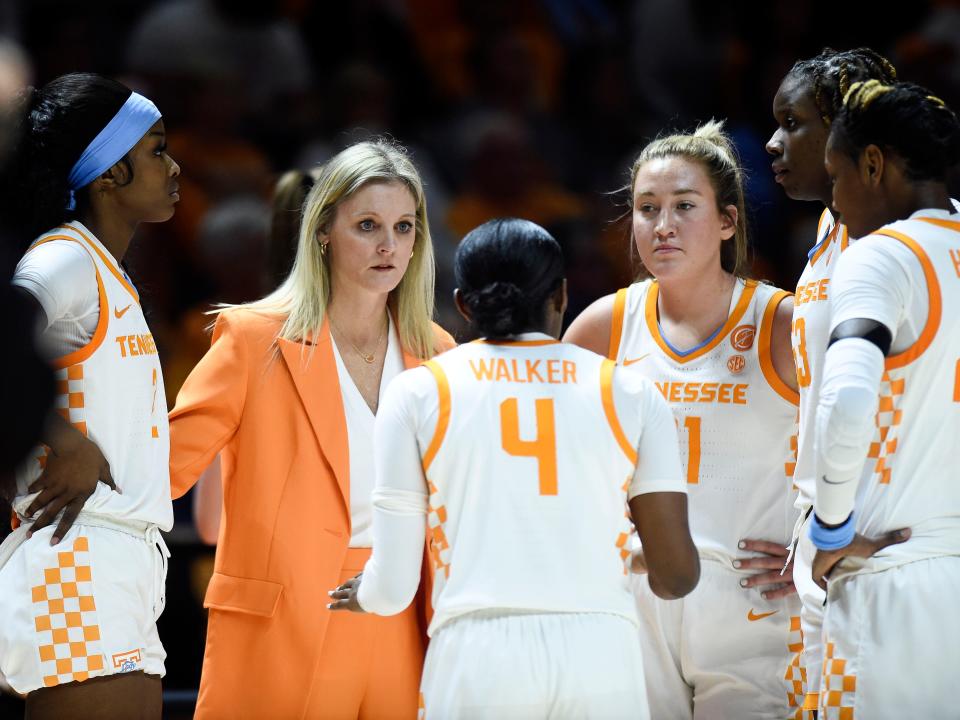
131, 123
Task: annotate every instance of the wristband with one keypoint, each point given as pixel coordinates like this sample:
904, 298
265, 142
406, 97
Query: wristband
834, 538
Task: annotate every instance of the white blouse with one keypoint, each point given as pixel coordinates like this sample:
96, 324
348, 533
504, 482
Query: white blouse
360, 437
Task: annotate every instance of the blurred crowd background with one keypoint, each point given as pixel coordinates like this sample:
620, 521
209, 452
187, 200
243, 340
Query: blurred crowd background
533, 108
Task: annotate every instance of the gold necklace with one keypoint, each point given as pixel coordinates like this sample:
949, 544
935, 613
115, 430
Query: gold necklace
368, 359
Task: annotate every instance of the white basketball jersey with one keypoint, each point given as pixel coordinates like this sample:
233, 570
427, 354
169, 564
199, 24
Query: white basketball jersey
111, 390
528, 471
735, 416
911, 478
809, 337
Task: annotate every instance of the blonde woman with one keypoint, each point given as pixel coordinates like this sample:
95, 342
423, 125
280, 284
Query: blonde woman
287, 395
717, 345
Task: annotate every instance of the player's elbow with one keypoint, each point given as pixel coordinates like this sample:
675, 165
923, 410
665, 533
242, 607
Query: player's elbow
390, 599
678, 581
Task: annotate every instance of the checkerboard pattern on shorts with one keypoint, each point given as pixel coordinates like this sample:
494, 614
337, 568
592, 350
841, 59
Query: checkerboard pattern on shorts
889, 417
802, 704
838, 688
65, 617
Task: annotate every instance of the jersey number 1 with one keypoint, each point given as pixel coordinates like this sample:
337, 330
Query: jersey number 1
543, 448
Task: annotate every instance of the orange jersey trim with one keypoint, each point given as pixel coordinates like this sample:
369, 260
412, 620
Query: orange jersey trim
935, 305
106, 261
443, 418
616, 323
765, 350
828, 243
518, 343
948, 224
78, 356
610, 410
651, 314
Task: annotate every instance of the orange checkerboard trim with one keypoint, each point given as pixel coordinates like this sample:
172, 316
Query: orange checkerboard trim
838, 688
889, 418
796, 675
65, 618
439, 546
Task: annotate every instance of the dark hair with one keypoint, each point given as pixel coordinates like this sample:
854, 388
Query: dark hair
58, 123
506, 269
832, 72
288, 196
903, 118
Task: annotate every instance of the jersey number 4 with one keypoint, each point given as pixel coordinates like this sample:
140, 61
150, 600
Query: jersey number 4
543, 447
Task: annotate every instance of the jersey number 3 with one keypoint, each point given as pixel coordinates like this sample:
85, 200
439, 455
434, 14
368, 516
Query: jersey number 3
800, 358
543, 447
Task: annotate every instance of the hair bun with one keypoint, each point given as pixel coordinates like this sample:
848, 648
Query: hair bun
499, 307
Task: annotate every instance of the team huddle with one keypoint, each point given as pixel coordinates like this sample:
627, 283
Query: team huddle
708, 498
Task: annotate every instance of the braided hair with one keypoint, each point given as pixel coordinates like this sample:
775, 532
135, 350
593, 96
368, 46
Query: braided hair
832, 73
904, 118
505, 270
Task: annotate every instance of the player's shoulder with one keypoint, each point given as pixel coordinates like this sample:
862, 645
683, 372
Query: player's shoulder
57, 260
628, 381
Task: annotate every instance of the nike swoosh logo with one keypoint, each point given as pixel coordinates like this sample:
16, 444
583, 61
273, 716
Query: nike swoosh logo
753, 617
119, 313
634, 360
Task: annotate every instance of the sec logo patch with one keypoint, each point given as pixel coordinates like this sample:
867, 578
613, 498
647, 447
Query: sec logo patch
736, 364
742, 337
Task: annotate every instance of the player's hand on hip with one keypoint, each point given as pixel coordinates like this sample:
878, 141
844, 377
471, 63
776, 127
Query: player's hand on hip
345, 596
74, 467
774, 573
862, 547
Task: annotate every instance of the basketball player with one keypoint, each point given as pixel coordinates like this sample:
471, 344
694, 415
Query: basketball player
809, 97
523, 453
717, 346
79, 608
888, 415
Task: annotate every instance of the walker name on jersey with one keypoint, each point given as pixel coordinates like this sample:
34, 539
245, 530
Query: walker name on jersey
514, 370
704, 392
812, 292
134, 345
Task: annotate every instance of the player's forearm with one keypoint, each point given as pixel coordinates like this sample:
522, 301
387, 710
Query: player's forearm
844, 424
392, 575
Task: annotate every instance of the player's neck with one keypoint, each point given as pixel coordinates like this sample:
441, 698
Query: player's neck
702, 305
113, 232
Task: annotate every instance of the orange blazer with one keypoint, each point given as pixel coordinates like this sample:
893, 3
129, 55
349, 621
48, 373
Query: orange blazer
275, 413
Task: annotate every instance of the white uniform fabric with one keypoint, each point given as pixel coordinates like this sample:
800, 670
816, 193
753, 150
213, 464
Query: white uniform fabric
62, 279
891, 648
505, 667
736, 420
909, 480
111, 390
83, 608
360, 422
810, 336
528, 451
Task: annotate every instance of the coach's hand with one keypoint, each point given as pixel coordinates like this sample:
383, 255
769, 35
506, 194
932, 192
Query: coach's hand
74, 467
863, 547
345, 596
777, 578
